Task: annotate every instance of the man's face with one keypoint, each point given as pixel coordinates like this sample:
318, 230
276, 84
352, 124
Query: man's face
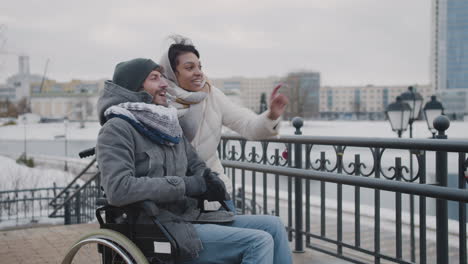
156, 85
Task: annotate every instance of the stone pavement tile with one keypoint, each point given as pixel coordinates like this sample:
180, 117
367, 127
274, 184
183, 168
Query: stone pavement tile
36, 245
50, 244
9, 259
315, 257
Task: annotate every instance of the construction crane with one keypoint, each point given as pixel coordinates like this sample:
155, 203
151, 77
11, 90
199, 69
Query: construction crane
44, 76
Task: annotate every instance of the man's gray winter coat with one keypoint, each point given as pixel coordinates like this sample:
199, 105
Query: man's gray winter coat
134, 168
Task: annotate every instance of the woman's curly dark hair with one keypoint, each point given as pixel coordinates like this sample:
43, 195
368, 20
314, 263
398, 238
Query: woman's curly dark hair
181, 46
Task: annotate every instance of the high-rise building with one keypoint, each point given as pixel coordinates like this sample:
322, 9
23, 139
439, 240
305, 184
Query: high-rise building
449, 52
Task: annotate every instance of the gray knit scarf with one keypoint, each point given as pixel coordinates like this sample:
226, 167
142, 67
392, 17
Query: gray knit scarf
157, 122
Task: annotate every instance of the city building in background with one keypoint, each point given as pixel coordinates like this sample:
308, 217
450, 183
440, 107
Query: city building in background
362, 102
455, 102
7, 93
25, 92
302, 88
75, 100
449, 54
230, 87
17, 86
247, 91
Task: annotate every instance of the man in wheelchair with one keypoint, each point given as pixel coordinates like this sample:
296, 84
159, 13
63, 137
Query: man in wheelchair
143, 157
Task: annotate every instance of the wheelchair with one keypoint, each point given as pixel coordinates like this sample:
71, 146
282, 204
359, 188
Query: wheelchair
121, 240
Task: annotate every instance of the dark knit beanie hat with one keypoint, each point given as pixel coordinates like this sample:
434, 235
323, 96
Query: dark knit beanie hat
131, 74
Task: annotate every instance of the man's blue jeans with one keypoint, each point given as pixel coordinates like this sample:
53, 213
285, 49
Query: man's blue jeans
230, 205
248, 239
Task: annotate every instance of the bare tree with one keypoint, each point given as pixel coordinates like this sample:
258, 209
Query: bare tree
8, 109
23, 106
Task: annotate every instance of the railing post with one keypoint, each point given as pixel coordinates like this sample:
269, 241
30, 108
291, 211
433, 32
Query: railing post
66, 209
398, 222
78, 205
32, 206
441, 123
254, 184
297, 123
17, 207
462, 209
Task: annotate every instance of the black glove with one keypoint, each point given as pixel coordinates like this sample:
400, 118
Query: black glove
216, 190
195, 185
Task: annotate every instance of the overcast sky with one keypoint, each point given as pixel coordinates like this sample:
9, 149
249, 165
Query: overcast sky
350, 42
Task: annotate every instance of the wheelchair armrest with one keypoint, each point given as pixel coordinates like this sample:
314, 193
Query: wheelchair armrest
201, 205
148, 207
223, 204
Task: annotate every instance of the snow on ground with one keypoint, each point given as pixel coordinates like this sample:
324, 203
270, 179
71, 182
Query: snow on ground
48, 131
16, 176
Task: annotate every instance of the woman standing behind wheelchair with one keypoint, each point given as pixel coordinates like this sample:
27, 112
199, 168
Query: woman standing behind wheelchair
143, 157
204, 109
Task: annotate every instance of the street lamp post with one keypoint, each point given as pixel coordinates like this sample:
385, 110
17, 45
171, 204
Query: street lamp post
398, 113
414, 100
65, 142
411, 102
432, 110
25, 139
84, 101
65, 123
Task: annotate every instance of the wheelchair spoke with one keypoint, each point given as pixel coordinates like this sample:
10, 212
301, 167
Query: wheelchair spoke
104, 246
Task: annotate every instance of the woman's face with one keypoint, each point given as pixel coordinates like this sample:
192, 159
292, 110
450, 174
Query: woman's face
189, 72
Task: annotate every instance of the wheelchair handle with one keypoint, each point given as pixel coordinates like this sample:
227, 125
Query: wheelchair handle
87, 152
101, 202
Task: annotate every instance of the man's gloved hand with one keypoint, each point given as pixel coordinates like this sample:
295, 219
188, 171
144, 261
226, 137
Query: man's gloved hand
194, 185
216, 190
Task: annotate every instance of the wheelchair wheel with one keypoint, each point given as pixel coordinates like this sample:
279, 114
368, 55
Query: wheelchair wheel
104, 246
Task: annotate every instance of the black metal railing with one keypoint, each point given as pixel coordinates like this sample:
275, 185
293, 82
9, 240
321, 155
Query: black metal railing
79, 202
75, 203
353, 198
60, 197
26, 205
371, 176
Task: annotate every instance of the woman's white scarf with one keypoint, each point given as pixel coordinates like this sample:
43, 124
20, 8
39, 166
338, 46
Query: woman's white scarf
188, 104
157, 122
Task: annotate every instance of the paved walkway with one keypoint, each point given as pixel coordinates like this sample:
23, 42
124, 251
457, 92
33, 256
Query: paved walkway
49, 245
40, 244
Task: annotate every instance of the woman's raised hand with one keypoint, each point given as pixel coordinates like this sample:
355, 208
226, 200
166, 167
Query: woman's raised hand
278, 103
